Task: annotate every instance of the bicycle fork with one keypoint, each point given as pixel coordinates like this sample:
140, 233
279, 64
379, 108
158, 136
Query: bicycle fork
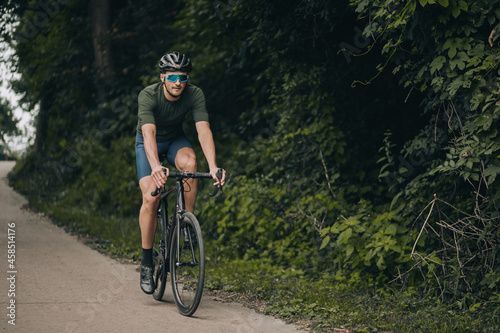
179, 211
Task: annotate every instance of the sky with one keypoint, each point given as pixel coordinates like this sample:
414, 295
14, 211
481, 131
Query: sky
25, 120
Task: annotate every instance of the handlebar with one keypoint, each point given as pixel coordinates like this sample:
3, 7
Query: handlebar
187, 174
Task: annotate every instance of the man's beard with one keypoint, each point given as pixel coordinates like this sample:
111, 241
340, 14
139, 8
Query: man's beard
170, 93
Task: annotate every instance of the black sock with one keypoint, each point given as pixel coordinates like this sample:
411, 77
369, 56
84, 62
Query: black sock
147, 257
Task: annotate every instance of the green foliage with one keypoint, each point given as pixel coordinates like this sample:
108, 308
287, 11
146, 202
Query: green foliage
359, 184
94, 188
364, 242
444, 50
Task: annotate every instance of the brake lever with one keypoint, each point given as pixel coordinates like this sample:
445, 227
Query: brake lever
218, 187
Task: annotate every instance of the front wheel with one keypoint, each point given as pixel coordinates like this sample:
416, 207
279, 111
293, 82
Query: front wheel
159, 255
187, 264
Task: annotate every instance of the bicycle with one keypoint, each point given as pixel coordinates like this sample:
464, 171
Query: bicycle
178, 246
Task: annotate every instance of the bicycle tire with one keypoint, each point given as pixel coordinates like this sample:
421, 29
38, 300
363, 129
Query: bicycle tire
187, 276
159, 255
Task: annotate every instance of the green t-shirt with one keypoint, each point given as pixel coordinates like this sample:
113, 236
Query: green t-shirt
155, 108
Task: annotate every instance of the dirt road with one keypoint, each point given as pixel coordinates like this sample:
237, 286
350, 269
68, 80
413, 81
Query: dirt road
54, 283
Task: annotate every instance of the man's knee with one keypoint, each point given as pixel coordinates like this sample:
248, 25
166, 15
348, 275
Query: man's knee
147, 186
149, 201
186, 160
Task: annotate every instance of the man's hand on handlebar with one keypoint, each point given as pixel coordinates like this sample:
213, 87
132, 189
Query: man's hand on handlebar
159, 175
218, 182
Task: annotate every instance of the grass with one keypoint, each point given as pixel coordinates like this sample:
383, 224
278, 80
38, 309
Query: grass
326, 305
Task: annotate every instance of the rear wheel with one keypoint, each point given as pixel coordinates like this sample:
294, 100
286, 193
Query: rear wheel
159, 255
187, 265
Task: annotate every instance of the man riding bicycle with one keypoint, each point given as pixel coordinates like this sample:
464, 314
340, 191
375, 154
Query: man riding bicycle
162, 108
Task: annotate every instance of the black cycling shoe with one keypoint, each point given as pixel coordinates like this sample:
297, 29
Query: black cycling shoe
147, 282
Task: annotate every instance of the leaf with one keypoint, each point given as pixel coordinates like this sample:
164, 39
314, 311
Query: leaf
423, 2
349, 250
344, 236
362, 5
449, 42
380, 263
444, 3
62, 143
452, 52
437, 64
485, 121
474, 307
395, 199
491, 172
325, 242
391, 229
435, 259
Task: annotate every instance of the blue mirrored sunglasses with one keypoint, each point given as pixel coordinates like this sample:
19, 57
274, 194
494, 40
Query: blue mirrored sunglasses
174, 77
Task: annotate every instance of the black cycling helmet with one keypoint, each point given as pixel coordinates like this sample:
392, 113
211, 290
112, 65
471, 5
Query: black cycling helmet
175, 61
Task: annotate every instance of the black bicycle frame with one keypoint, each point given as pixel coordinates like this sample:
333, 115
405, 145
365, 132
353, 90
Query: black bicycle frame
180, 208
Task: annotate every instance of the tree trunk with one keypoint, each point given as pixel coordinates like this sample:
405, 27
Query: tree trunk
41, 124
101, 31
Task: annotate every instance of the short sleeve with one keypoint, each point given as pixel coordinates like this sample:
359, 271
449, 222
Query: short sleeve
199, 106
146, 105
